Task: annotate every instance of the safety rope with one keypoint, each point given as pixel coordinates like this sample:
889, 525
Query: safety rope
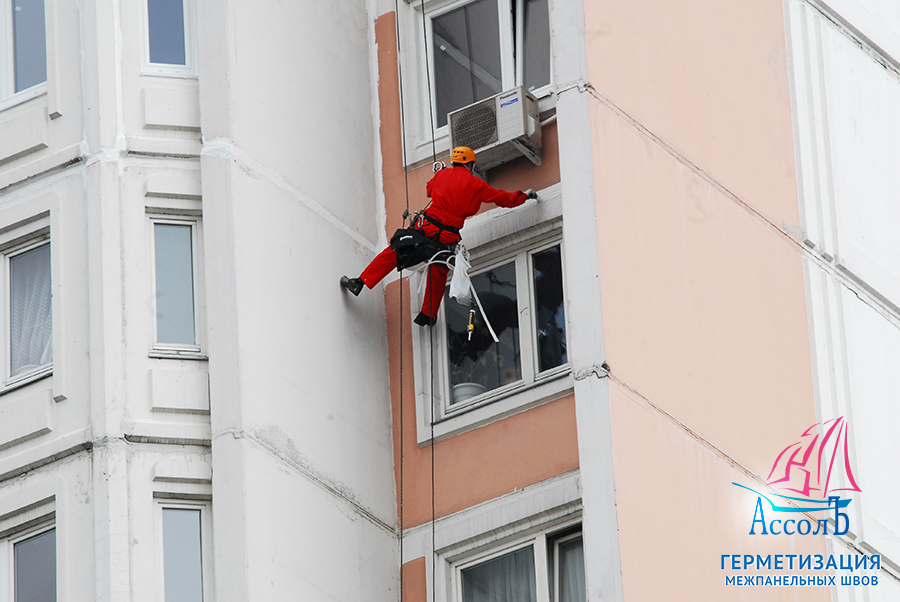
428, 83
400, 287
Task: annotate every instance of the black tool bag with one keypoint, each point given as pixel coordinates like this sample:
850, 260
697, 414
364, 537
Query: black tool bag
413, 247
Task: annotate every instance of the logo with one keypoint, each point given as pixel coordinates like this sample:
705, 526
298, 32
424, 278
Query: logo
506, 104
811, 469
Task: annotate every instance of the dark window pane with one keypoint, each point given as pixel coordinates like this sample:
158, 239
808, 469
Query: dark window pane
550, 318
480, 364
571, 571
174, 285
35, 560
509, 578
30, 43
30, 310
166, 31
466, 56
537, 44
181, 555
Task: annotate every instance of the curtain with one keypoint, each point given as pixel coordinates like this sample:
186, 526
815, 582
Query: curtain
571, 571
31, 318
509, 578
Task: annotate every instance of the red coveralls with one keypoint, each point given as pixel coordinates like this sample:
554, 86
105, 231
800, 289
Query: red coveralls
455, 195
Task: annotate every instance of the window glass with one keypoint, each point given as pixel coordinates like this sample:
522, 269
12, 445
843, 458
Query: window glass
174, 284
479, 364
182, 555
466, 56
550, 319
166, 25
35, 568
30, 43
509, 578
536, 29
570, 572
31, 318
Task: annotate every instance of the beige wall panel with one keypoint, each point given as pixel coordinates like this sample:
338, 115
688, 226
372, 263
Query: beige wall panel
678, 513
703, 303
710, 79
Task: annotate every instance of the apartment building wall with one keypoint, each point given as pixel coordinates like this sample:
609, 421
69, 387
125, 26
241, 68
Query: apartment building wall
283, 393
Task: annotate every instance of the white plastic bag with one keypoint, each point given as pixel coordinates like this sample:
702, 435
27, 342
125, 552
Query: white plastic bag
460, 285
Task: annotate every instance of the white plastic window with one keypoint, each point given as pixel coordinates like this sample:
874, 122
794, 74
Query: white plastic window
523, 300
170, 42
23, 50
29, 312
539, 569
484, 47
182, 554
28, 567
176, 323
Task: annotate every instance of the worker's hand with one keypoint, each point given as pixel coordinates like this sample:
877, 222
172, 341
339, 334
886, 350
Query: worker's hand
531, 194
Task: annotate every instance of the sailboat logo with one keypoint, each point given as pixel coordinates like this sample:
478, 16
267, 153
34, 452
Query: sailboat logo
812, 470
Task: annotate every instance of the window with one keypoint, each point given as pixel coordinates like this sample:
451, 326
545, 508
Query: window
522, 297
484, 47
174, 277
169, 41
543, 568
31, 558
30, 315
23, 49
182, 554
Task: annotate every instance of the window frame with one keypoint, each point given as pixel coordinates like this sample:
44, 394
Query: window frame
9, 380
522, 256
8, 557
422, 70
189, 69
490, 237
205, 508
178, 350
545, 550
8, 96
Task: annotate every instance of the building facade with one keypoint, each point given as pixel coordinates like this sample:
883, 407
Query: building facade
192, 409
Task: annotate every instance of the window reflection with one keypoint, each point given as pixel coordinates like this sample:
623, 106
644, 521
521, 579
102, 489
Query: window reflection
480, 365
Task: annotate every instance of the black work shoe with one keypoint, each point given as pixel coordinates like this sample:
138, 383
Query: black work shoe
423, 320
354, 285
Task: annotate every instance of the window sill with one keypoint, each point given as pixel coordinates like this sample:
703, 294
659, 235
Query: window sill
24, 96
174, 354
496, 405
27, 379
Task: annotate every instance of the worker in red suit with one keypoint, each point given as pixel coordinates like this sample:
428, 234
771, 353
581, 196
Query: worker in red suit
455, 194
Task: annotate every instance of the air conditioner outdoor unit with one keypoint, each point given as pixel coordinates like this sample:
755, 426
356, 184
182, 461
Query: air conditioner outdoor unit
499, 129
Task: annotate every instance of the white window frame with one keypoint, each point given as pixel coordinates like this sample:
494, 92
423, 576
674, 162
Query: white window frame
8, 558
189, 69
10, 381
544, 559
179, 350
204, 506
423, 119
8, 96
535, 388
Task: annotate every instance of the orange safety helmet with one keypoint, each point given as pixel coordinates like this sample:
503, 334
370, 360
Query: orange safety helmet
462, 154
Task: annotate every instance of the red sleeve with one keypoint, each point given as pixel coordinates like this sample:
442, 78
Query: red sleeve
488, 194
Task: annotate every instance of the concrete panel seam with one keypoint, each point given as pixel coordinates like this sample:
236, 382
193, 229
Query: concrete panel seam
22, 470
313, 477
225, 149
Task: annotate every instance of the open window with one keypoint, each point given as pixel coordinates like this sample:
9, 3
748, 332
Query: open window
23, 50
